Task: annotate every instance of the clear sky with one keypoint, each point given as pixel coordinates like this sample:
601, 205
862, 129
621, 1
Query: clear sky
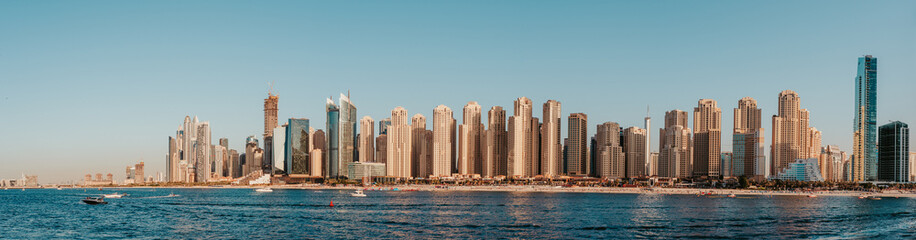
94, 86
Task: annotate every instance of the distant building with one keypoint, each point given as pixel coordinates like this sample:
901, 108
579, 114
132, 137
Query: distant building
674, 159
399, 151
748, 155
297, 146
707, 139
98, 181
791, 134
366, 139
383, 126
577, 154
519, 142
359, 170
496, 145
805, 170
725, 158
341, 127
470, 140
443, 141
634, 147
278, 156
270, 113
420, 147
551, 149
610, 160
832, 161
893, 152
865, 156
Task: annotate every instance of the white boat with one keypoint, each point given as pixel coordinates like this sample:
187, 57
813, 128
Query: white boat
58, 188
812, 195
114, 195
358, 193
264, 190
732, 195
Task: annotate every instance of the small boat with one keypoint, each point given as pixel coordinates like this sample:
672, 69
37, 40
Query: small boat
358, 193
873, 197
114, 195
173, 195
812, 195
58, 188
94, 200
264, 190
732, 195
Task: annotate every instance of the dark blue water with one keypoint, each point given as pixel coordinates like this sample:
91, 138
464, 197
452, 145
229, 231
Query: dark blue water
243, 213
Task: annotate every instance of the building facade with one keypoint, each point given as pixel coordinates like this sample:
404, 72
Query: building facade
865, 154
443, 120
399, 152
674, 154
550, 140
707, 139
893, 152
577, 154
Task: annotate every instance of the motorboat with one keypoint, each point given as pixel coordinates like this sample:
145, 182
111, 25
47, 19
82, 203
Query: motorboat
264, 190
58, 188
873, 197
732, 195
173, 195
114, 195
812, 195
94, 200
358, 193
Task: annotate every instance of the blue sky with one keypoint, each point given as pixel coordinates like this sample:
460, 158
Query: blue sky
93, 86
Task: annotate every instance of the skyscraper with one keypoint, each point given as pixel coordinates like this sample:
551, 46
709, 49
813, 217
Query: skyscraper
366, 139
342, 132
333, 140
674, 158
442, 141
747, 141
202, 149
496, 143
707, 139
550, 140
318, 141
577, 154
634, 146
383, 126
519, 138
297, 146
278, 156
893, 151
419, 153
609, 157
470, 140
790, 132
651, 167
865, 155
270, 113
399, 152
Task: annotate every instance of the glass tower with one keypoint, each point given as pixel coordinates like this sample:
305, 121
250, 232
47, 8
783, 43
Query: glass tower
332, 137
297, 146
865, 162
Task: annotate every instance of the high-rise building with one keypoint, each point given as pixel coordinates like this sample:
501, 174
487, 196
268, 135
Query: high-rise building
278, 154
366, 139
173, 158
747, 141
519, 142
814, 142
790, 132
421, 149
674, 148
725, 160
651, 167
470, 135
202, 148
399, 152
610, 159
297, 146
341, 126
634, 147
865, 155
893, 152
707, 139
831, 162
318, 140
496, 143
442, 141
252, 151
550, 140
333, 140
533, 166
270, 113
383, 126
912, 166
577, 154
381, 148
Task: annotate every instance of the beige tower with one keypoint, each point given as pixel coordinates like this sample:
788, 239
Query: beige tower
577, 152
707, 139
366, 139
747, 158
814, 142
399, 145
496, 143
609, 156
634, 148
551, 150
419, 153
519, 138
442, 141
270, 113
470, 135
790, 132
674, 158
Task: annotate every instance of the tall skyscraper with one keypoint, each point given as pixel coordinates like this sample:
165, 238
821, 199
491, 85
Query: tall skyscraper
383, 126
865, 155
418, 141
470, 140
496, 143
173, 158
297, 146
707, 139
381, 148
747, 141
893, 151
533, 167
651, 167
342, 132
519, 138
550, 140
674, 148
278, 156
366, 139
790, 132
270, 113
318, 141
399, 164
634, 147
577, 154
442, 141
609, 157
333, 140
202, 147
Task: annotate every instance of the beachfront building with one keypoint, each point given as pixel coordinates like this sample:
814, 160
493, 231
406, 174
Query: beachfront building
805, 170
577, 152
893, 151
496, 146
359, 170
550, 140
674, 158
748, 155
519, 139
443, 141
865, 156
707, 139
399, 164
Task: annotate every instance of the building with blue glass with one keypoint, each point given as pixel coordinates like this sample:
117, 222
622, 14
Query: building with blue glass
893, 152
297, 146
865, 161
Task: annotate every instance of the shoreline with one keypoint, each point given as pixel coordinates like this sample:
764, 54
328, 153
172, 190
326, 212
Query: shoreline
551, 189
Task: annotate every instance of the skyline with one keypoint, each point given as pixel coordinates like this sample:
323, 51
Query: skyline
131, 98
